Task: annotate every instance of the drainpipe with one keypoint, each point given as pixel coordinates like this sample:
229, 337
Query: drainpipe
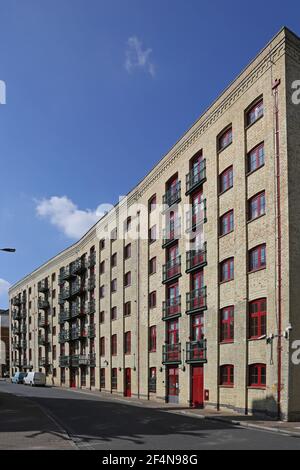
279, 244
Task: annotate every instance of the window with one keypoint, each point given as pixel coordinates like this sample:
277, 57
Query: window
257, 206
127, 342
127, 309
257, 318
127, 251
257, 258
114, 234
152, 234
101, 317
114, 259
114, 285
226, 179
152, 380
257, 375
152, 203
152, 299
226, 223
127, 279
255, 112
114, 347
102, 267
152, 339
225, 139
102, 346
227, 270
114, 313
92, 377
101, 292
102, 377
128, 224
227, 376
227, 325
102, 244
152, 266
256, 158
114, 378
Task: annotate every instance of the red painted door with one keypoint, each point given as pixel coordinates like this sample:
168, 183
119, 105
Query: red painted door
127, 383
173, 385
197, 386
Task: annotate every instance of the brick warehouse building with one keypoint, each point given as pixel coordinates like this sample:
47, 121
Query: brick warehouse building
196, 303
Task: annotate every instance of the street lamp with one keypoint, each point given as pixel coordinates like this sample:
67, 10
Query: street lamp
8, 250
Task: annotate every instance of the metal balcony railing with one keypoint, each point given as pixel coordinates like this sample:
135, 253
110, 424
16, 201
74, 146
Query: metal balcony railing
196, 216
92, 283
172, 233
64, 361
171, 353
43, 304
196, 259
16, 301
171, 269
42, 321
196, 300
64, 315
91, 331
43, 286
91, 307
171, 308
43, 361
78, 333
78, 266
64, 336
16, 315
42, 340
196, 177
16, 330
196, 351
172, 195
92, 260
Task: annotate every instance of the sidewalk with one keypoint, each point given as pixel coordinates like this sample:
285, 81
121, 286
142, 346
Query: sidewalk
25, 426
245, 421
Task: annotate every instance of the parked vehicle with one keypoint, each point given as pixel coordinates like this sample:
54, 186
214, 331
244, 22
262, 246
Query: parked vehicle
35, 379
18, 378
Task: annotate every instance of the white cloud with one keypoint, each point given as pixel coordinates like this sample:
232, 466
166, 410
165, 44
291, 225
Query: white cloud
65, 215
4, 286
136, 57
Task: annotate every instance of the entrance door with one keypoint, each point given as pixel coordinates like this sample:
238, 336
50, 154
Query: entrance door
73, 378
197, 386
127, 383
173, 385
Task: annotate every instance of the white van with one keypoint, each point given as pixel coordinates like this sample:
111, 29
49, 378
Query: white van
35, 378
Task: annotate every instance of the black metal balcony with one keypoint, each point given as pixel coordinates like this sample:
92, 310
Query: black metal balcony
77, 288
23, 329
78, 333
92, 359
171, 353
43, 362
64, 315
196, 259
91, 307
196, 216
64, 361
42, 321
16, 330
17, 301
23, 299
172, 195
92, 283
43, 286
65, 274
171, 308
196, 300
77, 310
91, 331
196, 177
16, 345
64, 294
16, 315
92, 260
42, 340
78, 360
172, 270
196, 351
23, 314
43, 304
64, 336
23, 344
172, 233
79, 266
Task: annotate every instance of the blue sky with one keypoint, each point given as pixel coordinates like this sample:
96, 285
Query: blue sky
97, 92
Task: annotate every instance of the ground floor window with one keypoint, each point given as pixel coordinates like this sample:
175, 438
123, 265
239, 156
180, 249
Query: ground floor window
227, 375
114, 379
102, 378
152, 380
92, 375
83, 377
257, 375
63, 375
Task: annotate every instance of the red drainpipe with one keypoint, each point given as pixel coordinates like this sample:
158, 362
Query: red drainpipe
279, 231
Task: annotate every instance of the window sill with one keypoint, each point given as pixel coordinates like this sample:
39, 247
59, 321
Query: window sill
257, 338
226, 386
257, 270
225, 191
152, 351
225, 282
224, 148
225, 234
256, 218
231, 341
248, 126
249, 173
256, 387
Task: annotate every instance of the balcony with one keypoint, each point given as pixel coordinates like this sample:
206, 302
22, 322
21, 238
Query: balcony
23, 329
77, 288
92, 331
78, 266
16, 345
196, 216
79, 360
172, 195
196, 259
42, 321
77, 310
196, 300
43, 286
42, 341
64, 315
171, 353
23, 299
92, 260
92, 283
172, 233
196, 351
91, 307
23, 314
43, 304
92, 359
78, 333
172, 308
17, 301
64, 294
16, 330
43, 362
64, 361
16, 315
65, 274
64, 336
172, 270
196, 177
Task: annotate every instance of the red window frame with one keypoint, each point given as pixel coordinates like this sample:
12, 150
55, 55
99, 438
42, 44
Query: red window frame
127, 279
152, 203
226, 179
102, 346
152, 265
258, 375
127, 309
225, 139
127, 251
256, 158
258, 258
127, 342
227, 375
257, 318
227, 325
257, 206
226, 223
227, 270
255, 112
152, 299
114, 313
152, 339
114, 345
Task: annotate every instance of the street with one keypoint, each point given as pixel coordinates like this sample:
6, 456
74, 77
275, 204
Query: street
53, 418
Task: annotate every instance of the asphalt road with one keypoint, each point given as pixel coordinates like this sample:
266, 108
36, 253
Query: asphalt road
85, 421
